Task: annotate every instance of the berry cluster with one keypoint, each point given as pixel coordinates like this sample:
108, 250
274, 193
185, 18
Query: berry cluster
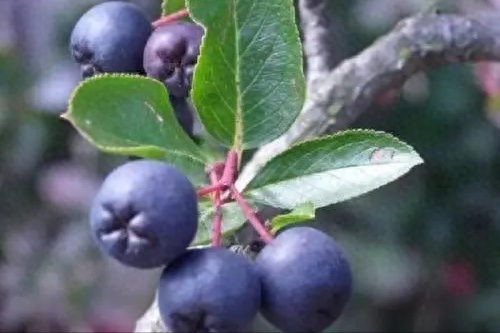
116, 37
145, 215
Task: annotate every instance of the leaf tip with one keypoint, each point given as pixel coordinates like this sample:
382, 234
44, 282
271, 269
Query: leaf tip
66, 116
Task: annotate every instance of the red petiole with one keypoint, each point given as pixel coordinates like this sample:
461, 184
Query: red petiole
217, 223
170, 18
251, 216
211, 189
223, 181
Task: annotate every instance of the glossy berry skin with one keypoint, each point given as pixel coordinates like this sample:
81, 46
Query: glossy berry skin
145, 214
209, 290
110, 38
306, 280
171, 54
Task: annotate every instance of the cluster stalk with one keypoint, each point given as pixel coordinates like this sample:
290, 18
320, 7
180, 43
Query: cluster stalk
171, 18
226, 182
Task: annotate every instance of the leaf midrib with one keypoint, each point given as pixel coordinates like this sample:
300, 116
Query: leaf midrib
238, 126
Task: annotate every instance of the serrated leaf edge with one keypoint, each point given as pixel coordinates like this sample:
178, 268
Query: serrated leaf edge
164, 5
99, 77
67, 116
351, 131
238, 141
419, 159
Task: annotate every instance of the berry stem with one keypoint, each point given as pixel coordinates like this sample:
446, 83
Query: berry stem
210, 189
217, 223
170, 18
222, 176
252, 218
218, 168
226, 179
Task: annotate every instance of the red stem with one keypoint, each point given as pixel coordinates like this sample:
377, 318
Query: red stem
170, 18
252, 218
217, 223
210, 189
228, 174
222, 175
230, 168
218, 168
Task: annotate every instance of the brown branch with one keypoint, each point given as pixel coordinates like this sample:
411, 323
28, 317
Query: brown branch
414, 45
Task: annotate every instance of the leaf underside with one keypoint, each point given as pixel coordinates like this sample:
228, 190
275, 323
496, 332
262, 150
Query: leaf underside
331, 169
302, 213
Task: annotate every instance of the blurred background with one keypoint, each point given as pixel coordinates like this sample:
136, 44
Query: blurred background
425, 249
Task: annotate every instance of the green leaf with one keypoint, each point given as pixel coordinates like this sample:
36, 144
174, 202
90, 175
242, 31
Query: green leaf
332, 169
248, 85
232, 219
171, 6
301, 213
132, 115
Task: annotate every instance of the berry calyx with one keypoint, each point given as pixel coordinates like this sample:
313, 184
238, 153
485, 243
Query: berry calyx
171, 53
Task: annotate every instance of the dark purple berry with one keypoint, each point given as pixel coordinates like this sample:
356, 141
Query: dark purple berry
171, 54
145, 214
209, 290
306, 280
110, 38
184, 113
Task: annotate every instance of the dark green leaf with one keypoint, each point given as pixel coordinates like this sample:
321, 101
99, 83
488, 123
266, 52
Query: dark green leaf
232, 219
301, 213
132, 115
248, 85
332, 169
